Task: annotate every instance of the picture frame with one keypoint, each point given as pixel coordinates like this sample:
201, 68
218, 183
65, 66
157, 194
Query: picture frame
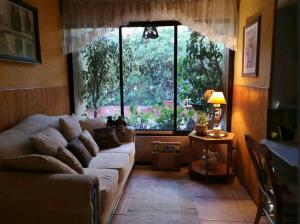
251, 42
19, 32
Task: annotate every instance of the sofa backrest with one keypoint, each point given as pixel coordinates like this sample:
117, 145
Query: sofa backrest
15, 141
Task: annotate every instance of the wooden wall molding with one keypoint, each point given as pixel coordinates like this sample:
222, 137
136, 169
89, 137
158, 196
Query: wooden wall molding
28, 88
251, 86
17, 104
249, 115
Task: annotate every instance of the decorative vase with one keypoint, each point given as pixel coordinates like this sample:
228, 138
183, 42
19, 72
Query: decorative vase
212, 158
201, 129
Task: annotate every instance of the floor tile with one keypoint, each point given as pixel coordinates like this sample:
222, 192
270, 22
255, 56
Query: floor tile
182, 175
208, 190
262, 221
118, 219
123, 205
130, 187
218, 222
212, 203
248, 210
217, 209
144, 174
237, 190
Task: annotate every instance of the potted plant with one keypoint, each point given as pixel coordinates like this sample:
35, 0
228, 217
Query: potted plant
201, 123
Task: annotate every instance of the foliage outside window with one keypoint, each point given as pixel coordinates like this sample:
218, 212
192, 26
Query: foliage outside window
148, 74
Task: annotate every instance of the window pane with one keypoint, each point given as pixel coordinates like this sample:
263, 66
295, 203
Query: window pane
200, 66
96, 78
148, 69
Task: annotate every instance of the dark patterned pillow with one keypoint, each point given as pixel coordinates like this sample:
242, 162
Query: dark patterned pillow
106, 138
78, 149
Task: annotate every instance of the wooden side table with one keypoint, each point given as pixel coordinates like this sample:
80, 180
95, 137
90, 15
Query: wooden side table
200, 167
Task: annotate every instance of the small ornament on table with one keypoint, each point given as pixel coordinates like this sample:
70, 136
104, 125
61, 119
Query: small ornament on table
212, 158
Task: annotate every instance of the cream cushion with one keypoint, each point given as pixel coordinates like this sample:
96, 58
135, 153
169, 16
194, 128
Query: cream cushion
108, 186
48, 140
127, 148
35, 163
69, 159
90, 124
88, 141
117, 161
69, 127
108, 182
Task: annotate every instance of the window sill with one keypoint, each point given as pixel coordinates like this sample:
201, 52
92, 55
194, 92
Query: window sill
161, 133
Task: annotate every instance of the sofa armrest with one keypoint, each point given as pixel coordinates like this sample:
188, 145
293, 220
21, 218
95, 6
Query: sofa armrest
48, 198
128, 135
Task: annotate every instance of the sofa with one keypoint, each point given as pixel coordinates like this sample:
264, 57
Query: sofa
35, 197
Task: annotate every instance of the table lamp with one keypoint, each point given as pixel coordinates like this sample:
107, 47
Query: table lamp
217, 98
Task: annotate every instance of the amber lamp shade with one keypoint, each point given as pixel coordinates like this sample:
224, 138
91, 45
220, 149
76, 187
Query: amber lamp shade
217, 98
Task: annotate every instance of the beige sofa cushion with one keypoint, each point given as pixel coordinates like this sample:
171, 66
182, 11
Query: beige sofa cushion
90, 124
108, 179
69, 127
127, 148
35, 163
109, 190
48, 140
117, 161
15, 141
88, 141
69, 159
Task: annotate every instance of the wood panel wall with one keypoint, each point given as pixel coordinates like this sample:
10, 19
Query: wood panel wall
17, 104
249, 115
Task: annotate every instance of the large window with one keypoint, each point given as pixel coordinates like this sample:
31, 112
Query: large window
148, 71
156, 84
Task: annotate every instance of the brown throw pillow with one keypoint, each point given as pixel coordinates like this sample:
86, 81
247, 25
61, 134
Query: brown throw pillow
35, 163
106, 138
48, 140
69, 159
88, 141
69, 127
78, 149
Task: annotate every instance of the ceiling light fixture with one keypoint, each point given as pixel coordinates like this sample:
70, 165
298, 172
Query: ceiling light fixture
150, 32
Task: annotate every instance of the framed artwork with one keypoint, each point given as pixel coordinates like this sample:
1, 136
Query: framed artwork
19, 34
251, 48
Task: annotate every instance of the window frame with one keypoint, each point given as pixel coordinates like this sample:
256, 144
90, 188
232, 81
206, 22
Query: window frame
152, 132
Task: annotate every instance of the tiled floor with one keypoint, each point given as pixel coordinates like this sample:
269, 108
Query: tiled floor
214, 203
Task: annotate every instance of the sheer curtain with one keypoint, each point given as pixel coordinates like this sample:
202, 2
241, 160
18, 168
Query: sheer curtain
85, 20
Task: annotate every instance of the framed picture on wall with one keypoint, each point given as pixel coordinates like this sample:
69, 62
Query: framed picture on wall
251, 48
19, 34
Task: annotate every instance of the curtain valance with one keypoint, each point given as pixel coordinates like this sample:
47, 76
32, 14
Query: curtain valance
85, 20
